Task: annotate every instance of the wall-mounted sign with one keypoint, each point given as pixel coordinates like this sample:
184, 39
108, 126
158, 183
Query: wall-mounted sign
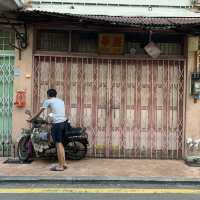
17, 71
152, 49
111, 43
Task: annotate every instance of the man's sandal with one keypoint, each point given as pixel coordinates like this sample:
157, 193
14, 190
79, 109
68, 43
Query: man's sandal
57, 168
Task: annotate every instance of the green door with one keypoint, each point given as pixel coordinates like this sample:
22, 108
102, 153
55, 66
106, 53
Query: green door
6, 91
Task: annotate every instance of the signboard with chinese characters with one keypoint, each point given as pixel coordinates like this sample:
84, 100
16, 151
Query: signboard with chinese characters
111, 43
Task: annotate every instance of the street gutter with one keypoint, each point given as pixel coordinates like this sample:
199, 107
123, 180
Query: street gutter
99, 180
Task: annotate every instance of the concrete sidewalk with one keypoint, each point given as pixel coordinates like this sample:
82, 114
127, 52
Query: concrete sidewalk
103, 170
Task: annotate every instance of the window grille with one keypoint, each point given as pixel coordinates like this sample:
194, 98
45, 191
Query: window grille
52, 40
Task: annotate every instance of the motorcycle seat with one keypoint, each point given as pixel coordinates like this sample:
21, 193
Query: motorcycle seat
74, 131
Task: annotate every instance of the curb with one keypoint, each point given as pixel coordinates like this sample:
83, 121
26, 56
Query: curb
99, 180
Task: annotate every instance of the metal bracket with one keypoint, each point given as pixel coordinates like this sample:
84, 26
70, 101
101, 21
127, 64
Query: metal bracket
21, 38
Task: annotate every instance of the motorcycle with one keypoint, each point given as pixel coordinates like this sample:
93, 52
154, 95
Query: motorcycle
36, 141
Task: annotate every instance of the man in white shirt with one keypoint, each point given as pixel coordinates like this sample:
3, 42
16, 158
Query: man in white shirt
57, 107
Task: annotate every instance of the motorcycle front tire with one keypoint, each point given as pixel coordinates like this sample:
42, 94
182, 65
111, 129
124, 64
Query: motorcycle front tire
75, 150
22, 149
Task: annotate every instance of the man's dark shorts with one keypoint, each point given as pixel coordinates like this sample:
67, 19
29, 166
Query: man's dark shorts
58, 131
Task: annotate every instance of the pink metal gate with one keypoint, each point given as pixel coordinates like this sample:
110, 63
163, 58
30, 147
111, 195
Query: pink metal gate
132, 108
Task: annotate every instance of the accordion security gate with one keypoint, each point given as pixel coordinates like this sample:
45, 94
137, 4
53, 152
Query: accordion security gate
6, 100
7, 55
132, 108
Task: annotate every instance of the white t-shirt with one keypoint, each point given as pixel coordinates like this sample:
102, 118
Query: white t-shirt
57, 107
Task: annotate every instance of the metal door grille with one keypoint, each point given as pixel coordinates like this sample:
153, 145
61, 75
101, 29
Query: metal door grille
131, 108
6, 91
6, 99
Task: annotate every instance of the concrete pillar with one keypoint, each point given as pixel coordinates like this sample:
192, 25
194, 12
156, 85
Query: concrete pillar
192, 108
23, 82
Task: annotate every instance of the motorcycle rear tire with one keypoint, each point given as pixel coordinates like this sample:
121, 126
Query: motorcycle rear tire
22, 149
75, 150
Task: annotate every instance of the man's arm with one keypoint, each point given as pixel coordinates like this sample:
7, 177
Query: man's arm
37, 114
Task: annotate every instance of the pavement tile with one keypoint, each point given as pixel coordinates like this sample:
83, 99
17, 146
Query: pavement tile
104, 167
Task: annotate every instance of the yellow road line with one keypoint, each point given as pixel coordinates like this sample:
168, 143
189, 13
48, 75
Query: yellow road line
100, 190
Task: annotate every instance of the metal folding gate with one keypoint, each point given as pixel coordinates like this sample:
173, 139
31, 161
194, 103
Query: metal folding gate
132, 108
6, 91
6, 99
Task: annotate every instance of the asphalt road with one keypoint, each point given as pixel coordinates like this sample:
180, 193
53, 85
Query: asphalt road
56, 191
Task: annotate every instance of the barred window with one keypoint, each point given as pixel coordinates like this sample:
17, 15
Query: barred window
87, 42
6, 38
84, 41
52, 40
168, 44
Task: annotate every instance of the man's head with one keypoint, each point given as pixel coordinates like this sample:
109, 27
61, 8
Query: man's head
51, 93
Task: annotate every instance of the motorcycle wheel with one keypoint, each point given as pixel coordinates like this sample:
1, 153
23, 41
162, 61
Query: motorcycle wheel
22, 149
75, 150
